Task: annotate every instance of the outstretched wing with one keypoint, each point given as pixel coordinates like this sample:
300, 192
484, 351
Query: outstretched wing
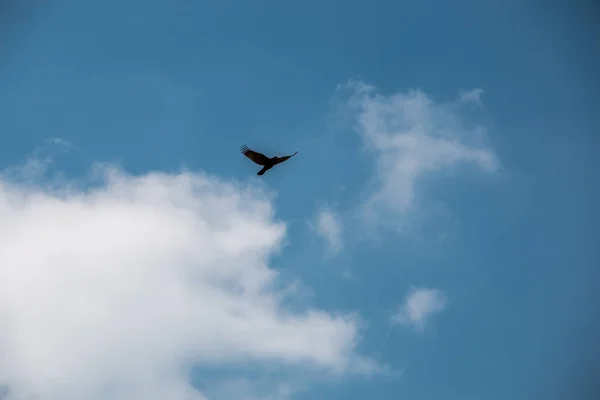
258, 158
282, 159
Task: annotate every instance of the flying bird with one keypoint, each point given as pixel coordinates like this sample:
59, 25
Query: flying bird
263, 160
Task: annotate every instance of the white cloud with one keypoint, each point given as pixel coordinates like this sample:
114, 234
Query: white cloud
327, 224
114, 291
411, 135
420, 305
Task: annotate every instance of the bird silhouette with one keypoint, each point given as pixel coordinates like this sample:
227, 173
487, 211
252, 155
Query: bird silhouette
261, 159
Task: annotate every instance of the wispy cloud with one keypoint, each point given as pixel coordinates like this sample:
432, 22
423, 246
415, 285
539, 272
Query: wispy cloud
420, 305
328, 226
410, 134
38, 162
170, 270
471, 96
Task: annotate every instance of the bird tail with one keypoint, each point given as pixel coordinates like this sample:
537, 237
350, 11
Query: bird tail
262, 171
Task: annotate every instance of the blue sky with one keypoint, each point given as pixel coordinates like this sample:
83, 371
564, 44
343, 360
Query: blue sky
446, 162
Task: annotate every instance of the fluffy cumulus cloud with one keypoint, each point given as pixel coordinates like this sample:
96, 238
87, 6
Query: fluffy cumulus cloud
114, 290
328, 226
420, 305
411, 135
